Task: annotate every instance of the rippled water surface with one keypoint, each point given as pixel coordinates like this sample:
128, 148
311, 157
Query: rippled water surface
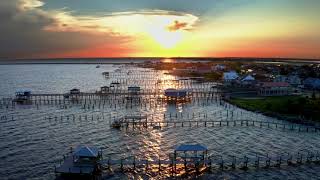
31, 144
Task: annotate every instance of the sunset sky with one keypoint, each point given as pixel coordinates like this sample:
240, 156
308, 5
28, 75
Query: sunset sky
159, 28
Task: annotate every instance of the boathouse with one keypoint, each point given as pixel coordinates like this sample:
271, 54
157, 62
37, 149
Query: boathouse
83, 161
134, 90
175, 93
74, 91
85, 155
104, 89
23, 96
106, 74
191, 151
191, 154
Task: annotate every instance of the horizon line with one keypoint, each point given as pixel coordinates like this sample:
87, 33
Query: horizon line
145, 57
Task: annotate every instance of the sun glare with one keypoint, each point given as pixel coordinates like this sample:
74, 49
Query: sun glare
159, 32
167, 39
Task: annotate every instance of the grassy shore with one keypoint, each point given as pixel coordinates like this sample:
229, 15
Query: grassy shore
289, 107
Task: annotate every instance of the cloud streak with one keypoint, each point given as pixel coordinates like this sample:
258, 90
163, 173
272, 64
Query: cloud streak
122, 23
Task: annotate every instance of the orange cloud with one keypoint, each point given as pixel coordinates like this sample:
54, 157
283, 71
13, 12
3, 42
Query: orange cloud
177, 26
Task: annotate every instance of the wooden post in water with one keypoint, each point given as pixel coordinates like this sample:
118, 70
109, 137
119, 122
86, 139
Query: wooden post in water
234, 161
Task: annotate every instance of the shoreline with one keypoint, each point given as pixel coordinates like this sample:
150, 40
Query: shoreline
286, 117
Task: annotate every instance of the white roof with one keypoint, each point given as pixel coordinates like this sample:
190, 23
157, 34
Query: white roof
23, 90
248, 78
86, 151
232, 75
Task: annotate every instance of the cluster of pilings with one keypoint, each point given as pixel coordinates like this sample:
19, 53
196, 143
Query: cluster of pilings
134, 125
149, 122
116, 102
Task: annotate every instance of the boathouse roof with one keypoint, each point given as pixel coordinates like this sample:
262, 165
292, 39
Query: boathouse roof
23, 91
85, 151
191, 147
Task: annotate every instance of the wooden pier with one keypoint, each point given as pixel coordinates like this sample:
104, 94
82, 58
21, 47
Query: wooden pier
126, 124
210, 163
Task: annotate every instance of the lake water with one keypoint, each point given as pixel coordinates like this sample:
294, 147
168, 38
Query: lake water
31, 145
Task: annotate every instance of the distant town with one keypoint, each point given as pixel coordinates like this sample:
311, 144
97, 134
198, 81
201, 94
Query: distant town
285, 90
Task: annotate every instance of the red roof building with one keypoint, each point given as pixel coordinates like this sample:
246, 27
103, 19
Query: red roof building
274, 89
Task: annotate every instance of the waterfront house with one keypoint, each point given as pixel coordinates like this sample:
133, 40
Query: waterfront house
274, 89
248, 80
312, 83
280, 78
230, 77
293, 80
203, 69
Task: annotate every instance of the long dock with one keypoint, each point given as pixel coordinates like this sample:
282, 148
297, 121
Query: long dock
210, 163
213, 123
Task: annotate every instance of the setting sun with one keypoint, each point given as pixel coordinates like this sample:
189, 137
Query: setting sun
166, 30
167, 39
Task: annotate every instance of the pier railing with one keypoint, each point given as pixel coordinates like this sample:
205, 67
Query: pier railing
211, 162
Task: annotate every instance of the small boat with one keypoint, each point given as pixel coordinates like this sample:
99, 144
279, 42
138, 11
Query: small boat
98, 66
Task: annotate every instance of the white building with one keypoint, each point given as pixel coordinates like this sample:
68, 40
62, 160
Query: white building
293, 80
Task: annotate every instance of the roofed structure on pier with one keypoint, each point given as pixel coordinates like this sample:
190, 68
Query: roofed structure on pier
85, 151
175, 93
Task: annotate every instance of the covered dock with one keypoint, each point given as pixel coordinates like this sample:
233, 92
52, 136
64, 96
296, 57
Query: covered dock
177, 95
82, 161
193, 155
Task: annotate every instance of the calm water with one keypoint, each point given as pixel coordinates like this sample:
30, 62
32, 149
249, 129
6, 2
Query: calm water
30, 144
